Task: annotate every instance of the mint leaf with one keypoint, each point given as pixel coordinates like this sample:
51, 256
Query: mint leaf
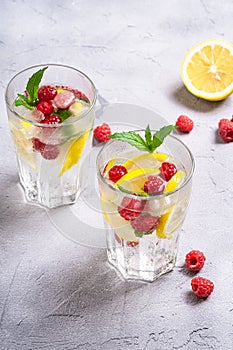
138, 234
23, 103
33, 85
132, 138
23, 97
122, 189
150, 143
63, 114
148, 137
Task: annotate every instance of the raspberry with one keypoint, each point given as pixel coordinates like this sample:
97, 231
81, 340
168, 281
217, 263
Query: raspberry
128, 243
184, 123
195, 260
116, 172
130, 208
132, 243
202, 287
225, 129
102, 132
47, 151
168, 170
52, 119
154, 185
50, 152
45, 107
145, 223
46, 93
37, 144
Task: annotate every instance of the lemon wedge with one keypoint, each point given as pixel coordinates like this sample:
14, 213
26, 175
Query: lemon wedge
26, 125
103, 204
175, 181
164, 228
143, 160
74, 152
59, 90
170, 221
109, 166
207, 69
24, 147
76, 108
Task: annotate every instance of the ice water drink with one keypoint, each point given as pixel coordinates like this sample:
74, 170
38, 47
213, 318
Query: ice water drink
145, 207
51, 132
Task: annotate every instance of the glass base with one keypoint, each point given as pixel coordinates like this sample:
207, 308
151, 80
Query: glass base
146, 260
48, 201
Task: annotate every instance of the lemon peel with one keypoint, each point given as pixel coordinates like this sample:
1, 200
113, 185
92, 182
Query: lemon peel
74, 152
175, 181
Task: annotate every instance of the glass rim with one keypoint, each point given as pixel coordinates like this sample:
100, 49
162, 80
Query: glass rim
157, 196
66, 122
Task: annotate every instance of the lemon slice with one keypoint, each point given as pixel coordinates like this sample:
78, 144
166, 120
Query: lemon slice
103, 204
145, 160
207, 70
26, 125
74, 152
164, 228
109, 166
134, 174
175, 181
170, 221
24, 147
122, 228
76, 108
134, 180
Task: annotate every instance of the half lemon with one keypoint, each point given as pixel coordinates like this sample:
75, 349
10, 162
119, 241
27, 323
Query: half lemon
207, 70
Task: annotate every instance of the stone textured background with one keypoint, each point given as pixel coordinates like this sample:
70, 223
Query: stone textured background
55, 294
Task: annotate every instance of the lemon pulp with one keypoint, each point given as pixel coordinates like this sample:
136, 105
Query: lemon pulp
207, 69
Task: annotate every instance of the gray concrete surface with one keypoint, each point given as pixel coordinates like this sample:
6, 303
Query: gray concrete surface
57, 294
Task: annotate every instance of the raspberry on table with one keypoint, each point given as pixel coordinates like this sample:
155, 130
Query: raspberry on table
168, 170
116, 172
45, 107
225, 129
154, 185
52, 119
47, 93
202, 287
195, 260
184, 123
145, 223
130, 208
102, 132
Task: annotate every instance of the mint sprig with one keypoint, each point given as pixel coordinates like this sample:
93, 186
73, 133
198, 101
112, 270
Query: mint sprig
30, 100
150, 143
